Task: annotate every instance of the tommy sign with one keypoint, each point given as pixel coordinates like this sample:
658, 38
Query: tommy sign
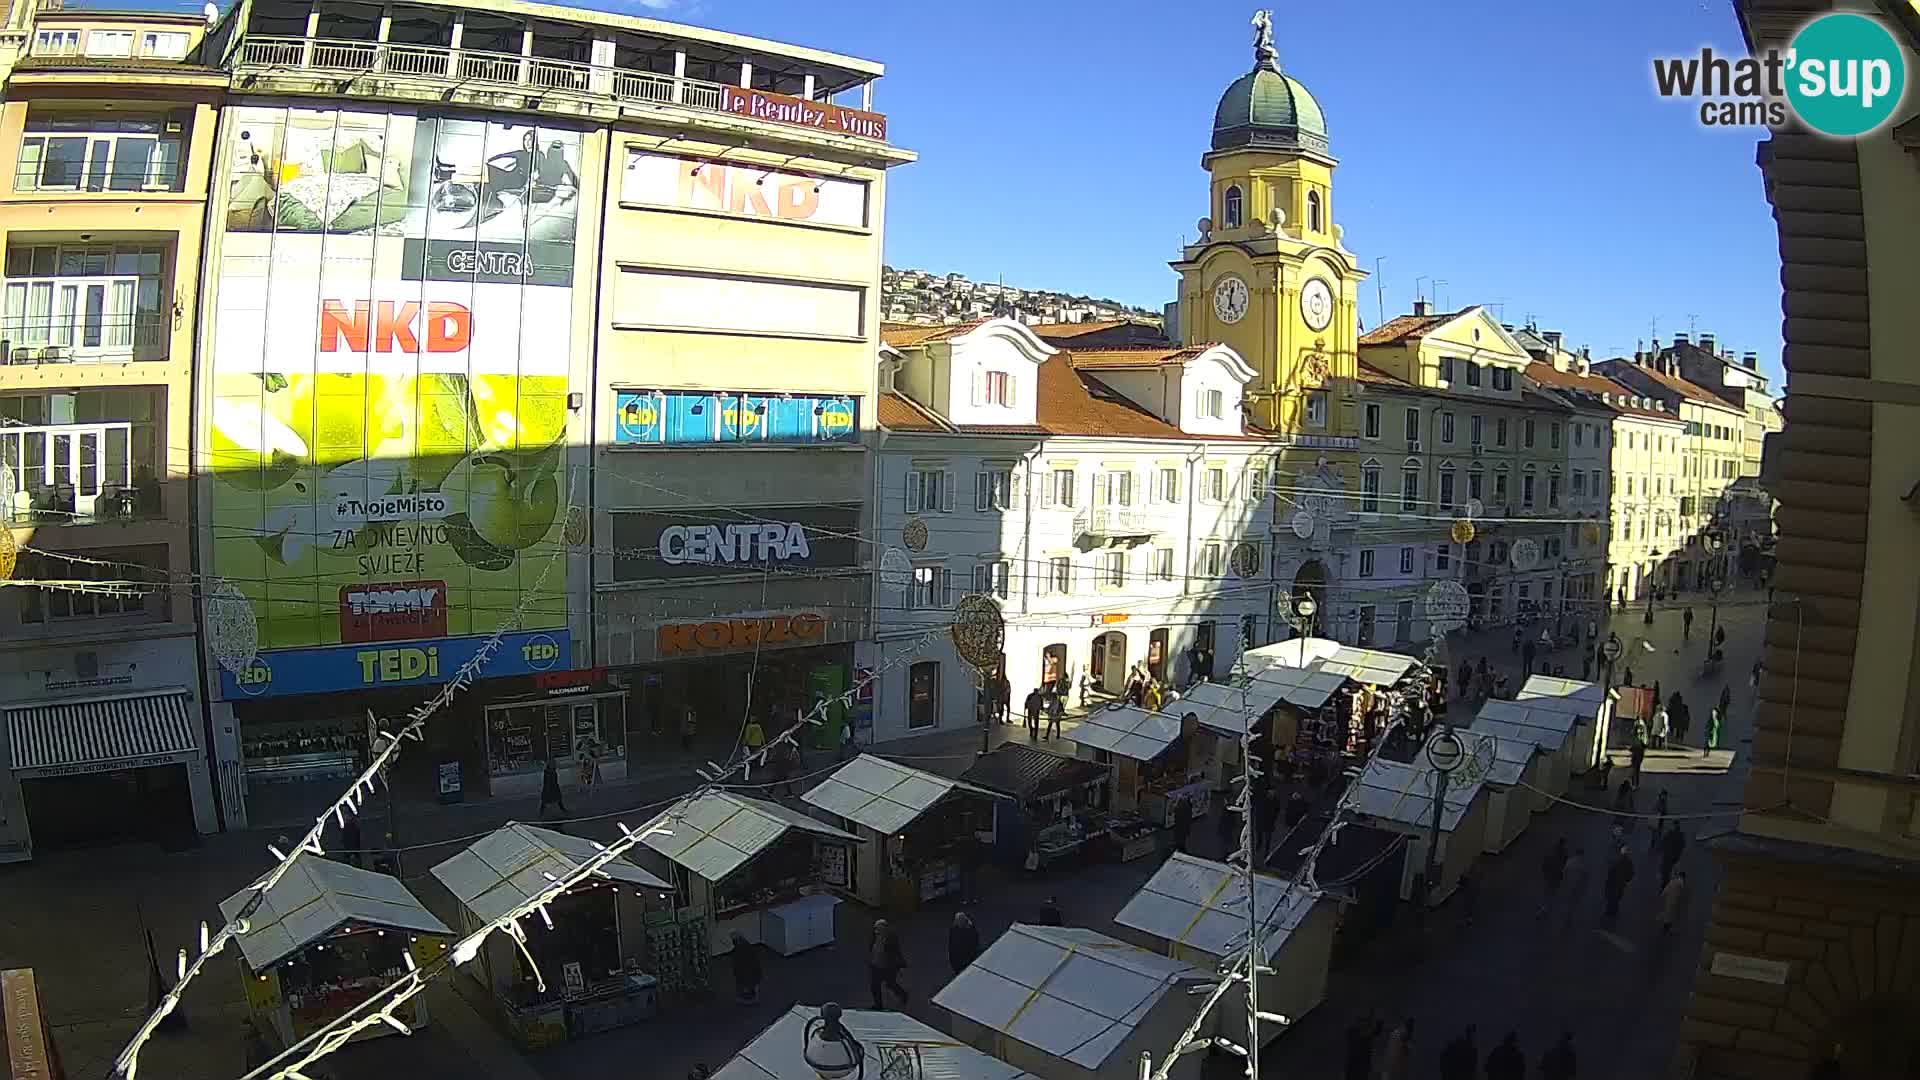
706, 542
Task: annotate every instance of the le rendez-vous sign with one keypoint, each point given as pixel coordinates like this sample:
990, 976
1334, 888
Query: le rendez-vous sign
782, 109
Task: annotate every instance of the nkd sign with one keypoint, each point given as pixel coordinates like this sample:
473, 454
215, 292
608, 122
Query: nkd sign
704, 542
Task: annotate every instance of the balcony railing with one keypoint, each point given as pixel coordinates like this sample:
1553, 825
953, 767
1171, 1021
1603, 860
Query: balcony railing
80, 338
473, 66
1112, 522
76, 474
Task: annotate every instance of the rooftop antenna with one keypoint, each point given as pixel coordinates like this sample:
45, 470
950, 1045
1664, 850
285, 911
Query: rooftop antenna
1380, 291
1691, 319
1437, 282
1419, 293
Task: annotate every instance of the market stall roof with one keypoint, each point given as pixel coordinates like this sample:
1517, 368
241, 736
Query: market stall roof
315, 898
1024, 772
517, 862
1554, 724
1580, 700
717, 832
1403, 794
883, 795
1128, 730
1307, 687
1501, 758
1199, 903
1369, 666
1072, 993
1222, 708
775, 1054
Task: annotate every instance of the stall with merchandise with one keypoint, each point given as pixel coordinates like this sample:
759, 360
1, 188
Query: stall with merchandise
1044, 798
1195, 910
921, 830
590, 946
325, 938
1398, 797
757, 868
1065, 1003
1149, 754
895, 1044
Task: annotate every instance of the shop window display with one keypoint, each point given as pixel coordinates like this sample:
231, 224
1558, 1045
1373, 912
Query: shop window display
332, 977
520, 738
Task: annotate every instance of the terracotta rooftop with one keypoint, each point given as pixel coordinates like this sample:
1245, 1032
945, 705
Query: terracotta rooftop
1074, 329
907, 335
1402, 327
1677, 385
1137, 356
1367, 373
899, 413
1071, 402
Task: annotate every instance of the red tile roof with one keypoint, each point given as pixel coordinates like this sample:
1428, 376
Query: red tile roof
907, 335
1071, 402
1074, 329
1369, 374
900, 413
1402, 327
1684, 388
1136, 356
1549, 376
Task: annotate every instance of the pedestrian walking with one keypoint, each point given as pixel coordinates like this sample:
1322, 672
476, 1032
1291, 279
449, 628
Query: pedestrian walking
1396, 1058
1553, 871
1660, 816
1266, 812
1636, 760
1460, 1058
1085, 688
1682, 716
849, 744
1558, 1063
1466, 677
1719, 638
746, 969
1002, 698
1593, 629
1586, 666
1628, 680
1712, 742
1673, 844
1726, 699
1753, 680
1576, 886
1050, 913
753, 738
1686, 626
1361, 1036
689, 723
1661, 724
1056, 711
963, 942
1526, 658
550, 794
1182, 822
1506, 1062
885, 962
1517, 636
1673, 902
1035, 705
1619, 876
350, 836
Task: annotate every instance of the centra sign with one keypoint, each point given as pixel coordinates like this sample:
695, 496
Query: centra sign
748, 543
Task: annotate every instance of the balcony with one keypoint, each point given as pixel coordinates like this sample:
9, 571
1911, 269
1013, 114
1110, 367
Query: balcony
78, 474
1110, 523
534, 75
84, 338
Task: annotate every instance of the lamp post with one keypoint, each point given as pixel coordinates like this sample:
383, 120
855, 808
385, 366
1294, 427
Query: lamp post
1445, 753
829, 1049
1303, 609
1715, 586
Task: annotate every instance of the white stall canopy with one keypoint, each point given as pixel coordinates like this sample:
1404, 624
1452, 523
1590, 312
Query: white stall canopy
1201, 904
317, 897
1401, 793
1070, 993
1548, 728
517, 862
883, 795
1224, 709
1500, 758
888, 1037
715, 834
1369, 666
1307, 688
1573, 700
1129, 731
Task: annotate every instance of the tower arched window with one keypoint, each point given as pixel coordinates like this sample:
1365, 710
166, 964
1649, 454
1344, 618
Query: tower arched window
1313, 211
1232, 208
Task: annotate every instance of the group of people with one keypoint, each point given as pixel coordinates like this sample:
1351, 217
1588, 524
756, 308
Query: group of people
1374, 1053
1478, 682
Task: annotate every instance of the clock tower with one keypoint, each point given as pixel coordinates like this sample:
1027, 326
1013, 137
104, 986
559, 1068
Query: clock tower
1268, 275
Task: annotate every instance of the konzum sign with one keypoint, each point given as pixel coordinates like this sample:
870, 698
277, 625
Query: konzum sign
733, 635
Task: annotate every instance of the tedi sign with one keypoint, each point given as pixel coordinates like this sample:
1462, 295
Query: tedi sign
754, 542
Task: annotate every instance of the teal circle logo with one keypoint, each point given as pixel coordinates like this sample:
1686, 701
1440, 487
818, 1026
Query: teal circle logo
1845, 74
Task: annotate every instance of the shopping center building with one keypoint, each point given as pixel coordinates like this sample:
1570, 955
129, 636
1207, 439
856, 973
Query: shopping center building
481, 281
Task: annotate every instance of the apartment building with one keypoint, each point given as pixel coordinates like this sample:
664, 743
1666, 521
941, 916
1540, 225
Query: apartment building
485, 278
1739, 381
1810, 963
1114, 501
109, 120
1567, 376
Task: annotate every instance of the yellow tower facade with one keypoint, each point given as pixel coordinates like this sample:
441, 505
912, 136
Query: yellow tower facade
1269, 275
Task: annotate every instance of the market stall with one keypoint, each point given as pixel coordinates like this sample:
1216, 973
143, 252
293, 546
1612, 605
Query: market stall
1043, 796
326, 937
920, 829
1065, 1003
1195, 910
593, 956
1511, 765
1399, 797
1369, 666
1361, 867
896, 1045
1583, 704
1551, 731
1149, 757
1314, 720
757, 868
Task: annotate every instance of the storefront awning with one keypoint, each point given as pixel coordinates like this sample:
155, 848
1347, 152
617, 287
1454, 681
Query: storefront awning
317, 897
776, 1053
1403, 794
715, 834
1129, 731
517, 862
1201, 904
1071, 993
55, 738
883, 795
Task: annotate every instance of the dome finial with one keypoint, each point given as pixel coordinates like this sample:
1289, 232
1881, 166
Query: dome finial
1264, 54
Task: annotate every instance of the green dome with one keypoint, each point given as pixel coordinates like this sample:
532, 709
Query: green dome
1268, 109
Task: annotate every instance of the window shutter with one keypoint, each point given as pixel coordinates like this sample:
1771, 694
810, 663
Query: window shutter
913, 492
1012, 391
982, 491
1013, 487
1046, 489
979, 387
1173, 486
980, 575
1099, 489
1127, 485
950, 478
946, 587
1154, 494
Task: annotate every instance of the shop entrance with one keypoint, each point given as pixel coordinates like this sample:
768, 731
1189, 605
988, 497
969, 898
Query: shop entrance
1053, 668
1157, 654
1110, 661
724, 691
154, 803
585, 736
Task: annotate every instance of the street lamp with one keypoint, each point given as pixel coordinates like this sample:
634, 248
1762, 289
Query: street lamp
1715, 586
1445, 752
1304, 608
830, 1049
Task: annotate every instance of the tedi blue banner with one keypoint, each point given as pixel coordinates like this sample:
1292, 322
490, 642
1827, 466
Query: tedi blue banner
378, 665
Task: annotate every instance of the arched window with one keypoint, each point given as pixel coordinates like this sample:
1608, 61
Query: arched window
1526, 487
1313, 210
1476, 481
1231, 210
1447, 492
1370, 487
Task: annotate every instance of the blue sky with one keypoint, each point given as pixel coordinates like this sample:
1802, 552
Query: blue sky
1514, 148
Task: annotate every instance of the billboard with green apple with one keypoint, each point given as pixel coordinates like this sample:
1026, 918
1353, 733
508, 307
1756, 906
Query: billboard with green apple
387, 421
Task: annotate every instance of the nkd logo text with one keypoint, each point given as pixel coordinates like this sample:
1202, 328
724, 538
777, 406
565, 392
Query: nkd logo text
1843, 76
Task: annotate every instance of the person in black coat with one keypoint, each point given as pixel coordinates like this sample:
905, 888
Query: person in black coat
885, 962
1361, 1038
1460, 1059
963, 942
1050, 913
1506, 1062
550, 790
1559, 1063
1182, 823
746, 970
1297, 810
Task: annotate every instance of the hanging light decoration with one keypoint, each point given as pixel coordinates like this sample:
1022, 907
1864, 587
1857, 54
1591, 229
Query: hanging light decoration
9, 548
576, 530
979, 631
232, 628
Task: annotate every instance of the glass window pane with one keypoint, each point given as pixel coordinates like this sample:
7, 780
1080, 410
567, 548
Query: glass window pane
120, 312
62, 328
132, 159
61, 168
119, 469
97, 155
19, 261
73, 262
96, 313
125, 260
96, 261
89, 463
39, 311
44, 258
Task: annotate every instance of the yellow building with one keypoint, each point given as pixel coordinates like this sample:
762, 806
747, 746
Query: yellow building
1811, 955
109, 119
533, 316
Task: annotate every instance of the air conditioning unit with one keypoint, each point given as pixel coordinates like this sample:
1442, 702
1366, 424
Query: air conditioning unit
1413, 446
1477, 448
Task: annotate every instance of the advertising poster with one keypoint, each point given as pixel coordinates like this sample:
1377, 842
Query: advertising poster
388, 417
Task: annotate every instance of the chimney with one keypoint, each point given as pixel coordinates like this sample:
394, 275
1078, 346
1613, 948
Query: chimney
1706, 342
1553, 339
1752, 359
1679, 339
1419, 307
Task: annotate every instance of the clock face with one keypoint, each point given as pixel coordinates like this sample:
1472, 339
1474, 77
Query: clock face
1230, 299
1316, 304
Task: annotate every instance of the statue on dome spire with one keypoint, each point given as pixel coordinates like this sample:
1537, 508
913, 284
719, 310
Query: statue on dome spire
1264, 54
